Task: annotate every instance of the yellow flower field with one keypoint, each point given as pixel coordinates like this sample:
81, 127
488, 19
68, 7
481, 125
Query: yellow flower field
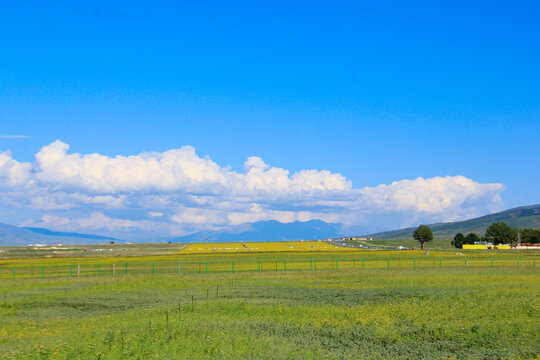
248, 247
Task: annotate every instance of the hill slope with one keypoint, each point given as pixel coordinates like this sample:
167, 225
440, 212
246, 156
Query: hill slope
520, 217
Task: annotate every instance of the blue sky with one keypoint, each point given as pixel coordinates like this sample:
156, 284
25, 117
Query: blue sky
377, 92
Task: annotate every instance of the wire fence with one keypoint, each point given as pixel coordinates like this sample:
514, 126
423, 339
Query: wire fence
251, 265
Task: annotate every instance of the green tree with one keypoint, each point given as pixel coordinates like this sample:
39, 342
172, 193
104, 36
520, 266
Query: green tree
423, 234
500, 233
530, 236
471, 238
459, 239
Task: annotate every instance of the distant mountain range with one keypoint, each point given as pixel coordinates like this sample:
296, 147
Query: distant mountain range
260, 231
521, 217
21, 236
268, 231
68, 234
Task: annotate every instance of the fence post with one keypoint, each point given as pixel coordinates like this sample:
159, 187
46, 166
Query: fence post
414, 263
113, 270
153, 268
362, 263
78, 270
232, 263
207, 267
71, 270
43, 271
311, 264
440, 262
337, 262
389, 263
98, 270
259, 265
466, 262
179, 267
285, 265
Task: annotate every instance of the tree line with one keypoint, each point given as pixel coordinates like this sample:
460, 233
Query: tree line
499, 233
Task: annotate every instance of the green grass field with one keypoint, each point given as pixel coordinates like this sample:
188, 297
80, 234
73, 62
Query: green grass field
427, 311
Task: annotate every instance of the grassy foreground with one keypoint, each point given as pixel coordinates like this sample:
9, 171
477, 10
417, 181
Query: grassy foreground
478, 313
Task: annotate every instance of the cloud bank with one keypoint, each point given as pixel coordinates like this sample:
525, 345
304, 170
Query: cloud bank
177, 191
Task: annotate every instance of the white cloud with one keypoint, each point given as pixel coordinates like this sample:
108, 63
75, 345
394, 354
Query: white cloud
434, 195
173, 170
179, 170
179, 191
12, 172
14, 136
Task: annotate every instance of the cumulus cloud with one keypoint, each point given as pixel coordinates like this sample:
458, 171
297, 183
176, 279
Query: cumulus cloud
12, 172
173, 170
180, 191
178, 170
434, 195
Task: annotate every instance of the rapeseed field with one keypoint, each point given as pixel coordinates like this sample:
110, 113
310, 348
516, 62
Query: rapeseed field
249, 247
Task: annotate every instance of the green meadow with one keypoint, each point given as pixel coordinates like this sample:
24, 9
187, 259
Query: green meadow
402, 312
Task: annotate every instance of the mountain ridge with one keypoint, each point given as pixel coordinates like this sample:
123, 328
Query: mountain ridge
269, 230
22, 236
68, 234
